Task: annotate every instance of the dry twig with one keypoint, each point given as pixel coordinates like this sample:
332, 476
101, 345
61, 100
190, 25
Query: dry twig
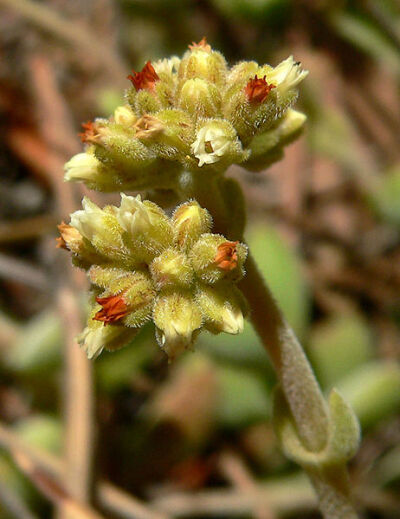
110, 497
78, 375
233, 468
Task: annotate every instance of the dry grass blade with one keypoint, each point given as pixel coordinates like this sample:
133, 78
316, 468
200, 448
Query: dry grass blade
23, 272
13, 504
233, 503
235, 471
78, 380
53, 490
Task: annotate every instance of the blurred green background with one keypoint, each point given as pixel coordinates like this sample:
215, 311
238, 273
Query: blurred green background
324, 226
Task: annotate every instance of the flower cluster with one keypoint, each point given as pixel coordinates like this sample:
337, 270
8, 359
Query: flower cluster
191, 114
144, 265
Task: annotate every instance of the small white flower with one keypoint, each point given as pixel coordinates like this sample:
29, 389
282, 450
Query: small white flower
96, 337
211, 143
92, 340
232, 319
133, 216
287, 75
167, 66
88, 221
176, 333
124, 115
81, 167
177, 318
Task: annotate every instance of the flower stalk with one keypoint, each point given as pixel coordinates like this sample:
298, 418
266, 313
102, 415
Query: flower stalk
300, 400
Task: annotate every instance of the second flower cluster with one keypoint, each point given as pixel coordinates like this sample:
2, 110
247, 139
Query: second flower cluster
144, 265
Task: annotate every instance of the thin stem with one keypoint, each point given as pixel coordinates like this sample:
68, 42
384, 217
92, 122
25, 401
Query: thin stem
13, 503
294, 371
207, 194
333, 489
304, 397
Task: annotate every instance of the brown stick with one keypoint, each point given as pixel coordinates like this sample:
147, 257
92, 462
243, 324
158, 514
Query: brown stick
234, 469
78, 395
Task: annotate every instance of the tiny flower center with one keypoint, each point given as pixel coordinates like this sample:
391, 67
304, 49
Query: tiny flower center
90, 132
114, 309
227, 256
145, 79
257, 89
202, 45
208, 147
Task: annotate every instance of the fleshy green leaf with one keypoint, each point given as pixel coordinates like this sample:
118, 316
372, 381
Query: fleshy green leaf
385, 196
243, 397
281, 268
339, 345
373, 390
38, 347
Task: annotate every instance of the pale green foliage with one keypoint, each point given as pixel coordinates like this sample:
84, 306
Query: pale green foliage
147, 266
192, 114
342, 440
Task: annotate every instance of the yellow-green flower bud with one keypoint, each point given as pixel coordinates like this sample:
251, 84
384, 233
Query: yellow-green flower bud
101, 228
216, 141
144, 265
83, 252
127, 299
145, 102
148, 127
97, 337
82, 167
241, 72
200, 98
214, 258
118, 146
149, 229
171, 268
202, 62
114, 280
287, 75
184, 115
166, 67
124, 115
267, 147
139, 298
222, 307
189, 222
177, 136
89, 221
177, 317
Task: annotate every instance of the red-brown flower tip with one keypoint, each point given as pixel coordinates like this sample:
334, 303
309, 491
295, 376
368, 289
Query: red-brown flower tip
203, 45
114, 309
68, 235
227, 257
60, 243
90, 132
145, 79
257, 89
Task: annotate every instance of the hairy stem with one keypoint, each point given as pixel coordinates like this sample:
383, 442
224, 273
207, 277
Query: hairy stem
294, 371
300, 387
333, 489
